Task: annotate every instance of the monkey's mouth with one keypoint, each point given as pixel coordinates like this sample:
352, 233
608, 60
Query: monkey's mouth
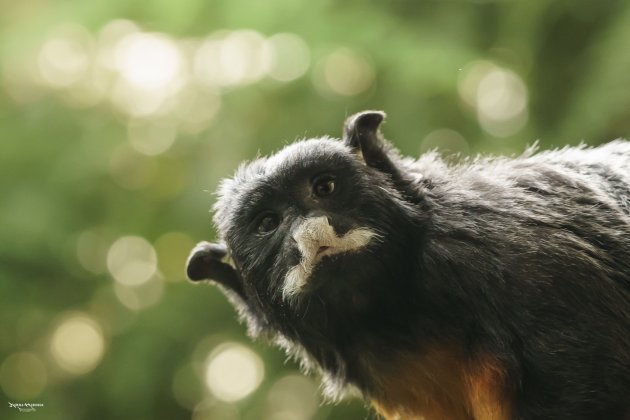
322, 249
325, 251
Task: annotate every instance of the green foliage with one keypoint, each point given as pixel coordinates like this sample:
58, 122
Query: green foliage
98, 148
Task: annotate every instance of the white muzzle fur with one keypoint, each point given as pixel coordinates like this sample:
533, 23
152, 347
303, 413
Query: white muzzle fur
315, 239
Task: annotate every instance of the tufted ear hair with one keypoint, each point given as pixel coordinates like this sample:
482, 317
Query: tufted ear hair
361, 133
205, 263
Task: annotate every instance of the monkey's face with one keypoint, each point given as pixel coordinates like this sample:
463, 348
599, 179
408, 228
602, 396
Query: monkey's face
299, 221
308, 231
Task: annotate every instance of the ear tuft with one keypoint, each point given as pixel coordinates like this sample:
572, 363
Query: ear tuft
201, 259
361, 133
362, 128
205, 263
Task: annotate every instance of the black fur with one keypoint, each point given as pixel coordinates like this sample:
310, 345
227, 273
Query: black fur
526, 259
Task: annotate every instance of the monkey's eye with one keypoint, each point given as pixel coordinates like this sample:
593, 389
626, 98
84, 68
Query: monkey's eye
323, 185
268, 222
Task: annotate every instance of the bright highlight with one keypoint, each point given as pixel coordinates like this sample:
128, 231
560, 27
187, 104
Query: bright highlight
233, 371
131, 260
77, 344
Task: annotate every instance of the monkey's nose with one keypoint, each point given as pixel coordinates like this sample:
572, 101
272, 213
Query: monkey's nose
319, 214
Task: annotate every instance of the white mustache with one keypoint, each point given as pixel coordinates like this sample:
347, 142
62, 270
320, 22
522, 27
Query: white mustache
316, 238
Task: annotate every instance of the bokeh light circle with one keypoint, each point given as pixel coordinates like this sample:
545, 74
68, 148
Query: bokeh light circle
290, 57
293, 396
233, 372
77, 344
23, 376
131, 260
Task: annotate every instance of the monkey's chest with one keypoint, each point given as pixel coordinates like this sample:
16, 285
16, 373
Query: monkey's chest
439, 385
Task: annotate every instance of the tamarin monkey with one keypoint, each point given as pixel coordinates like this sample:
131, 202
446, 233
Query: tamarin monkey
494, 288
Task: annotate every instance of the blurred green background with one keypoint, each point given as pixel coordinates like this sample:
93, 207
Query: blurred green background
118, 118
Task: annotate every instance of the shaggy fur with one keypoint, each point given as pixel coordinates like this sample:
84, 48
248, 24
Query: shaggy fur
495, 288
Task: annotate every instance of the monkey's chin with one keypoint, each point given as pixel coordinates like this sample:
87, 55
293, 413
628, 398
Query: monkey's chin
301, 278
329, 270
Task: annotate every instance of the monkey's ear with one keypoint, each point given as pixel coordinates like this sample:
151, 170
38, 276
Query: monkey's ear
205, 263
361, 132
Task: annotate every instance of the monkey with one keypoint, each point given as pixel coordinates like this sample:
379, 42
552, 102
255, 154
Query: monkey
489, 288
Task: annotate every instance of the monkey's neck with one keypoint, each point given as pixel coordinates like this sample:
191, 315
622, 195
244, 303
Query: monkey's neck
424, 372
349, 340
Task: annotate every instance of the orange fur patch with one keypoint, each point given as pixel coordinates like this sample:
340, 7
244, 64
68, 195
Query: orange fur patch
439, 384
488, 394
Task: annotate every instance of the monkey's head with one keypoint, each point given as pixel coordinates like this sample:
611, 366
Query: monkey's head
311, 237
